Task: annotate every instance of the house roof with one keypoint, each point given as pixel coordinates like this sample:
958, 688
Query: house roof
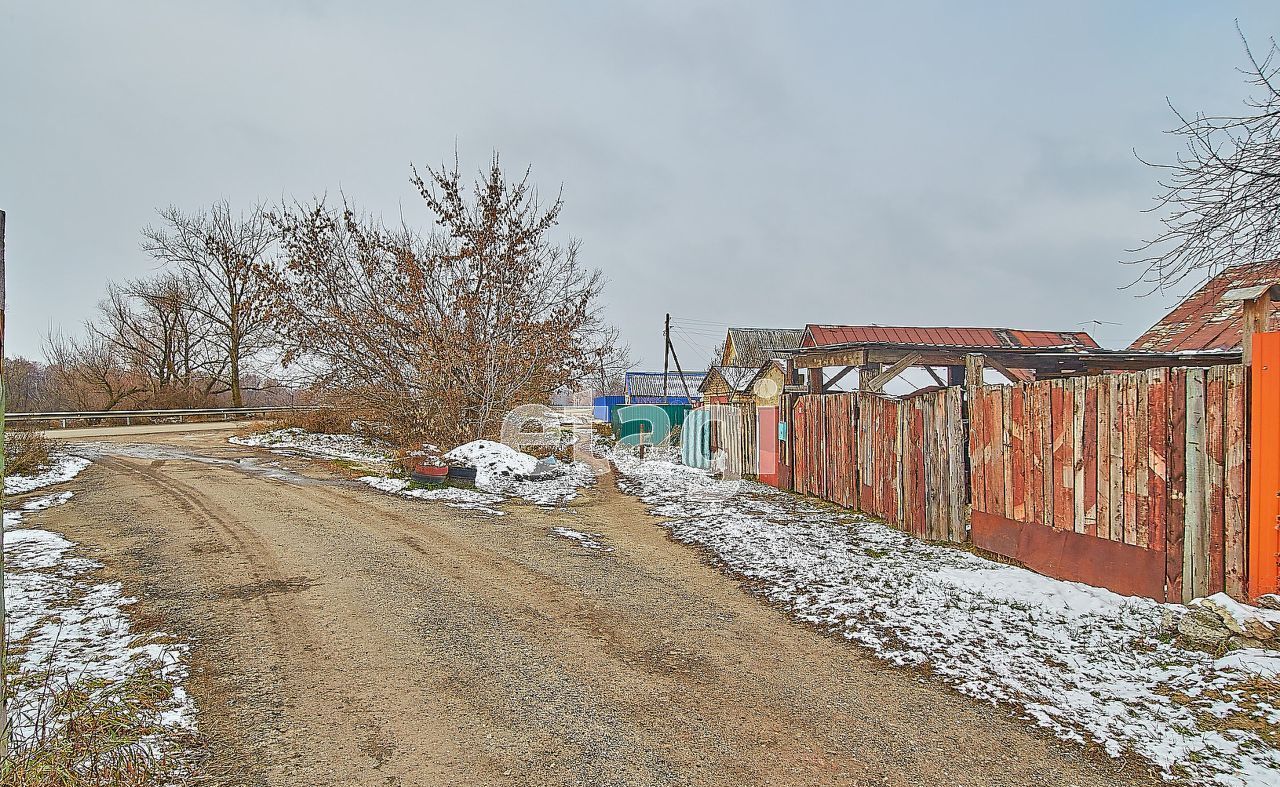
995, 338
738, 378
752, 347
1204, 320
651, 383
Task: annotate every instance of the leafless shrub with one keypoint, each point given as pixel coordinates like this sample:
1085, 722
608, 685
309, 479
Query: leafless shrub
26, 451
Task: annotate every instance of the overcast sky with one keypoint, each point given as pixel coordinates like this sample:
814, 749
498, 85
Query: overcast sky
765, 164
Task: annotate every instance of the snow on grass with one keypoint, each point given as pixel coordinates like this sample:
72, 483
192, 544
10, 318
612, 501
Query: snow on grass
67, 628
455, 497
591, 541
1085, 663
60, 470
298, 442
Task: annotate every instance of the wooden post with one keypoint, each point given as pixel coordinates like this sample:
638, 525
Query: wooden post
4, 640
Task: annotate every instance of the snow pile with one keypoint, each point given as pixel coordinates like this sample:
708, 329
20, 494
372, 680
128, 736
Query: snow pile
585, 540
298, 442
455, 497
65, 627
59, 471
1083, 662
502, 470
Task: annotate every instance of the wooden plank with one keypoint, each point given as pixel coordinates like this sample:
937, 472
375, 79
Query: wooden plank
996, 482
1077, 453
1089, 444
1044, 417
1130, 431
1195, 543
1006, 447
1142, 535
1158, 448
977, 472
1115, 411
1235, 553
1014, 417
1063, 461
956, 464
915, 459
1215, 398
1177, 484
1102, 457
1034, 431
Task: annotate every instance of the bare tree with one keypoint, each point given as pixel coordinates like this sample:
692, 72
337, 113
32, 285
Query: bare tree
1221, 195
159, 328
443, 332
223, 256
89, 373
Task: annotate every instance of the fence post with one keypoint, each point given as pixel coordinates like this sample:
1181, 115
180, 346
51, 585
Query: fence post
4, 639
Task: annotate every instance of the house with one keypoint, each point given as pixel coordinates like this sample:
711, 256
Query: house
660, 388
753, 347
1211, 318
728, 384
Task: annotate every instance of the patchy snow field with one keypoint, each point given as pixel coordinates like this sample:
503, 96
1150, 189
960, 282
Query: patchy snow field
297, 442
1090, 665
468, 499
65, 626
62, 469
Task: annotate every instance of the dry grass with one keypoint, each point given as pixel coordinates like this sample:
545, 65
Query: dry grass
25, 451
93, 733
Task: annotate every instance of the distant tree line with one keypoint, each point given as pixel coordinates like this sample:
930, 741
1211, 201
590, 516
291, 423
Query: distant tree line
434, 332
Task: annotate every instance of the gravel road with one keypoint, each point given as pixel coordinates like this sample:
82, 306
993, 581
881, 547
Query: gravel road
344, 636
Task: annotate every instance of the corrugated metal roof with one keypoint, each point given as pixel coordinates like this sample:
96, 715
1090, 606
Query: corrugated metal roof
1204, 320
650, 383
751, 346
738, 378
821, 335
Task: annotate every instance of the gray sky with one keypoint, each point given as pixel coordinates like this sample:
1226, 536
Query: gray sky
732, 163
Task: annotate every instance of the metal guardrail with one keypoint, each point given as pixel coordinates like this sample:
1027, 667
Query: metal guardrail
226, 413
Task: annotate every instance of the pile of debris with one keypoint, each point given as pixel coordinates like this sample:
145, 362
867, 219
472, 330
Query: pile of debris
1219, 623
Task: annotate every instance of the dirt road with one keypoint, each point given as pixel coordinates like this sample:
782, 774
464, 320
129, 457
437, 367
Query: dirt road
343, 636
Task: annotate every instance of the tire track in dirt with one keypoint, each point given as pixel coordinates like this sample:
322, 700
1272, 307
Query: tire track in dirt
392, 641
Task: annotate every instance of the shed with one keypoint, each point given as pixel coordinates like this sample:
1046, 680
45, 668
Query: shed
1211, 318
728, 384
660, 388
753, 347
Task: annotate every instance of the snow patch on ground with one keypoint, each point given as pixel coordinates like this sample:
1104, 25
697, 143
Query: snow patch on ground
65, 626
452, 496
585, 540
60, 470
1083, 662
298, 442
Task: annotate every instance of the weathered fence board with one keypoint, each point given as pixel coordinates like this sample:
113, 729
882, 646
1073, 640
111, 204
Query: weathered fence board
899, 460
1154, 460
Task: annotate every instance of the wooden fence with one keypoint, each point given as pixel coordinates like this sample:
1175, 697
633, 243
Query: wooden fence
733, 431
1151, 460
900, 460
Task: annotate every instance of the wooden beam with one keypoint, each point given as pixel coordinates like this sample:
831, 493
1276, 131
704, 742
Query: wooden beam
877, 383
935, 376
819, 359
1255, 321
1002, 369
829, 384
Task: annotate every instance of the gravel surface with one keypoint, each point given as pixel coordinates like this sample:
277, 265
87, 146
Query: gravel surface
345, 636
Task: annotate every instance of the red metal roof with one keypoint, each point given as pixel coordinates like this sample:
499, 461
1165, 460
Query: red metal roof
820, 335
1203, 321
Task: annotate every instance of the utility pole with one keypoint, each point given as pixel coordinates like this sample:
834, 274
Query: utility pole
4, 639
669, 351
666, 353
